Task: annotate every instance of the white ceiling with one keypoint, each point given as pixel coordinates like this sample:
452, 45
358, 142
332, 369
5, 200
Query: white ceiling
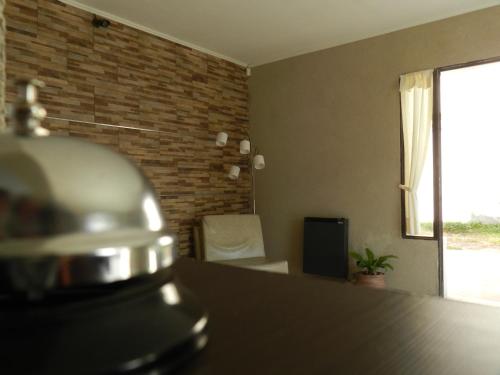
255, 32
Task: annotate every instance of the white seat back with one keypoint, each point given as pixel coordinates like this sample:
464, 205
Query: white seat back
232, 237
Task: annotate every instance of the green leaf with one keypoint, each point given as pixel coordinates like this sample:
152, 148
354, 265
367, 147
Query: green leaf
370, 254
356, 256
372, 264
390, 257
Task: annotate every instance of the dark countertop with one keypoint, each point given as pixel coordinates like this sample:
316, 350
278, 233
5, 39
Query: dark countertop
265, 323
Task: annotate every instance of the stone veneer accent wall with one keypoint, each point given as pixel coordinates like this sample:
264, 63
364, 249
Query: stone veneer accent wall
126, 77
2, 64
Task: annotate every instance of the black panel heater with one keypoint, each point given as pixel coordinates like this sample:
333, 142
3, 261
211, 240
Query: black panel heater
325, 246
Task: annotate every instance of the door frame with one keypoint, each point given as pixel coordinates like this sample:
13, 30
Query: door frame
436, 139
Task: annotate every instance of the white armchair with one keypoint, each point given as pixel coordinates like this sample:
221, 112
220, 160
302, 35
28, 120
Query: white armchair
235, 240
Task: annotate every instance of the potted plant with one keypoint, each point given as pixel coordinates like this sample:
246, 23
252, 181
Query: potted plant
372, 268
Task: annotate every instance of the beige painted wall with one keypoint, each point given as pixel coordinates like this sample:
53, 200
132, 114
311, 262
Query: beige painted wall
328, 124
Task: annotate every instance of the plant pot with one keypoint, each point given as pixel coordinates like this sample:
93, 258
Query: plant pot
373, 281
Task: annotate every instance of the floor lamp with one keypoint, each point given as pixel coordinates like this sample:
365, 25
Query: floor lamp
255, 160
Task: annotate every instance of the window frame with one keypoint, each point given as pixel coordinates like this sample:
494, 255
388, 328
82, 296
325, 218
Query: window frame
436, 165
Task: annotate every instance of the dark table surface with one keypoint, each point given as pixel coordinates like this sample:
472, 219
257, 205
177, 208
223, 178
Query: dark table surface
265, 323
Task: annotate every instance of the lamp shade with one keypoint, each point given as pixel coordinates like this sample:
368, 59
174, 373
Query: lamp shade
245, 147
259, 162
221, 139
234, 172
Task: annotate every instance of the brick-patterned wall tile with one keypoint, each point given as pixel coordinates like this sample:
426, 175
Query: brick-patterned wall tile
2, 65
126, 77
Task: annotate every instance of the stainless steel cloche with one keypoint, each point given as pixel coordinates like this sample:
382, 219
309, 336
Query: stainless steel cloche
85, 260
72, 213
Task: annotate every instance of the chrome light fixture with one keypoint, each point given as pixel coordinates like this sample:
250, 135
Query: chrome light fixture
255, 160
258, 161
245, 147
234, 172
221, 139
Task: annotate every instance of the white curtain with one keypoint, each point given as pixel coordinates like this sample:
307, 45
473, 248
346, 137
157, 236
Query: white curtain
416, 109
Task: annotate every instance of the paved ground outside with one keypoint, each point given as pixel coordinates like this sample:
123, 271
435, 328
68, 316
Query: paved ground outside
472, 275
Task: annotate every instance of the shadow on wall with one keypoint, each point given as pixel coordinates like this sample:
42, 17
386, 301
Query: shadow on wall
297, 245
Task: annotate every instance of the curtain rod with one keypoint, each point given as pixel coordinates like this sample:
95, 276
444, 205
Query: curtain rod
104, 124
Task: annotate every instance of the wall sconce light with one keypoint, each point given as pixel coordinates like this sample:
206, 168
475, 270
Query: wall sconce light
221, 139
